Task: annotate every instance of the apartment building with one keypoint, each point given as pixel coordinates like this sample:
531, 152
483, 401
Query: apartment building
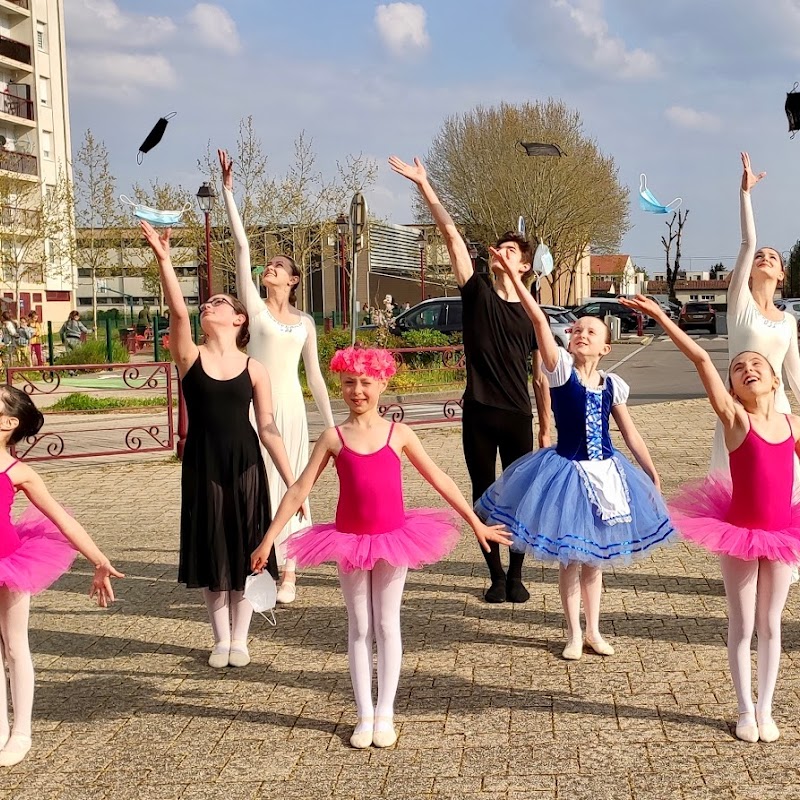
36, 270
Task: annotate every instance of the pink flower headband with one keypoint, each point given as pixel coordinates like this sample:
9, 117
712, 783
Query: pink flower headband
371, 361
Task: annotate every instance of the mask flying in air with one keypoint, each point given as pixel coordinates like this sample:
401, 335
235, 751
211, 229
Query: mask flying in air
543, 263
792, 109
156, 217
154, 137
647, 202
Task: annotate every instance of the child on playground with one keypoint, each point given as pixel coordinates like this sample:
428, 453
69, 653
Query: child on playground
374, 539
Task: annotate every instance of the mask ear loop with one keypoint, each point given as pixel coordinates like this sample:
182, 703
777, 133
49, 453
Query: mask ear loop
676, 203
642, 183
127, 201
272, 621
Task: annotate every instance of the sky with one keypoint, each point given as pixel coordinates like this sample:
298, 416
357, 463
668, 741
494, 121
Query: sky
675, 90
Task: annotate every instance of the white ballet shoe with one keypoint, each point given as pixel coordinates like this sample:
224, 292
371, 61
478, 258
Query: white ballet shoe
746, 728
239, 655
286, 593
219, 655
15, 750
600, 646
795, 576
362, 735
768, 731
384, 734
573, 651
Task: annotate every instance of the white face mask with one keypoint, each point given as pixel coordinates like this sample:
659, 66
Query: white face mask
153, 215
261, 592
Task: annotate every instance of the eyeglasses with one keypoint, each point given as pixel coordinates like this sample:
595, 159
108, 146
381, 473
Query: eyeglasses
214, 302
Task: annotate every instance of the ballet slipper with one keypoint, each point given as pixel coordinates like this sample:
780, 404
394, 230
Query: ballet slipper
516, 591
768, 731
496, 593
746, 728
15, 750
362, 735
220, 655
239, 655
574, 650
600, 646
384, 734
286, 593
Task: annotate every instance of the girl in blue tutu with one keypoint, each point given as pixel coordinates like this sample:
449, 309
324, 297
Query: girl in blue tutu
581, 503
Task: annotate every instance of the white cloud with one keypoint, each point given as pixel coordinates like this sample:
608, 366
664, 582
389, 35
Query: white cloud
120, 76
215, 27
596, 44
691, 119
402, 27
104, 22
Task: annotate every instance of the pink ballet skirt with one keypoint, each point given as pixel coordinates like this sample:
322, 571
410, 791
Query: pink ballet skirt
750, 516
372, 523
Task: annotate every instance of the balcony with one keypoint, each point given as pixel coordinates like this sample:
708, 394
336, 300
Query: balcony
24, 272
19, 162
20, 3
16, 106
11, 48
13, 217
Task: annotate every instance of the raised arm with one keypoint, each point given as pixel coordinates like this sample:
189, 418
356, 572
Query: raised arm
541, 323
183, 349
314, 377
541, 396
456, 246
717, 392
246, 290
739, 287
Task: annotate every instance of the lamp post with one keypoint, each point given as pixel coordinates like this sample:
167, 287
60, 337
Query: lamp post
342, 226
421, 243
473, 254
205, 199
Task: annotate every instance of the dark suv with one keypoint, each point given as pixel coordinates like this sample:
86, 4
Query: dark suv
629, 319
698, 315
438, 314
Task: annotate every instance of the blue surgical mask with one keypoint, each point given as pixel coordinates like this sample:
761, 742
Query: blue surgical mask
153, 215
647, 202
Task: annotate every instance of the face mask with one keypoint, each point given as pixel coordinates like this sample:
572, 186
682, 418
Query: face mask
649, 203
521, 226
154, 137
260, 591
153, 215
542, 263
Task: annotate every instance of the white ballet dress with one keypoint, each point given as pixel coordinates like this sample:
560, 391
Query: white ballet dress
750, 330
279, 347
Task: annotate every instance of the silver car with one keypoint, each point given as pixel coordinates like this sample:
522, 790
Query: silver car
561, 321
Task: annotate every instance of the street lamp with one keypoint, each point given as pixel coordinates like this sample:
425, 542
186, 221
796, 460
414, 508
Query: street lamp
205, 199
342, 226
421, 242
473, 254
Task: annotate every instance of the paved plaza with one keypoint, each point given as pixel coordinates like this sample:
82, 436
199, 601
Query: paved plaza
126, 706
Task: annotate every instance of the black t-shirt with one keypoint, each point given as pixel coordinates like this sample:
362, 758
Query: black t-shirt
498, 342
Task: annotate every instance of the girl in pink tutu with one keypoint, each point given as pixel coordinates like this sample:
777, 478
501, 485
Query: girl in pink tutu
374, 539
34, 552
750, 521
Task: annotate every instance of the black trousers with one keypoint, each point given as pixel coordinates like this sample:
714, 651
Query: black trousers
486, 431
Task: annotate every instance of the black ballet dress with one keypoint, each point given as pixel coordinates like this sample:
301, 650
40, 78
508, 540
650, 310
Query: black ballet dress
225, 508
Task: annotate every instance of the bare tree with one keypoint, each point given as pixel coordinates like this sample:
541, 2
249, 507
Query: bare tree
674, 237
486, 181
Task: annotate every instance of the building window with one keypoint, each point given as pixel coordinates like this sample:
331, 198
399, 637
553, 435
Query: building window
47, 144
707, 297
44, 91
84, 272
37, 297
694, 297
41, 36
84, 301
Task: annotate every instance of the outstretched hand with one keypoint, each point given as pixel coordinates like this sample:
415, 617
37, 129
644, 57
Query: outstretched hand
101, 584
226, 163
749, 178
158, 240
642, 304
415, 173
492, 533
501, 257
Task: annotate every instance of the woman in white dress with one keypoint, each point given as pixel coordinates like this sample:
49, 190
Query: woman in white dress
754, 322
280, 335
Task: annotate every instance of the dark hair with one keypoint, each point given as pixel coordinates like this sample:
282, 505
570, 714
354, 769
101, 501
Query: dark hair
754, 352
295, 274
75, 313
243, 336
524, 245
19, 405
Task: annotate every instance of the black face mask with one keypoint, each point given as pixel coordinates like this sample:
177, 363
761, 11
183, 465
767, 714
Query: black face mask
154, 137
792, 109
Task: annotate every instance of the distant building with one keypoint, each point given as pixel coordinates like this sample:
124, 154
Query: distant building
615, 275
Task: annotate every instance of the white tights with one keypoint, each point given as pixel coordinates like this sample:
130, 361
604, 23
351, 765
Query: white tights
16, 655
756, 593
230, 614
576, 581
373, 599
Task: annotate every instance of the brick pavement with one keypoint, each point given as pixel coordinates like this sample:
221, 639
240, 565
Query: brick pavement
126, 706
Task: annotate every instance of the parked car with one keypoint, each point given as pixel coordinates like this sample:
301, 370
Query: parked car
698, 315
672, 311
601, 306
791, 305
444, 314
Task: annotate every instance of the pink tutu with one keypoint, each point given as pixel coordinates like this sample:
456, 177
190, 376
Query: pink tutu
427, 536
42, 556
699, 512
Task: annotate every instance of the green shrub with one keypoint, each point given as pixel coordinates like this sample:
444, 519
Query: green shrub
78, 401
94, 351
427, 337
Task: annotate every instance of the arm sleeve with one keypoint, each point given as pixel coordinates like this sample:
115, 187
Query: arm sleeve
791, 366
563, 369
314, 377
620, 390
245, 288
739, 289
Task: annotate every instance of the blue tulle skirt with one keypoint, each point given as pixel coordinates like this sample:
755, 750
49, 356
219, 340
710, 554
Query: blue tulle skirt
551, 509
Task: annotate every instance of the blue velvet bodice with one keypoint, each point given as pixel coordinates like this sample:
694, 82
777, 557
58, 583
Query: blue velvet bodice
582, 419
